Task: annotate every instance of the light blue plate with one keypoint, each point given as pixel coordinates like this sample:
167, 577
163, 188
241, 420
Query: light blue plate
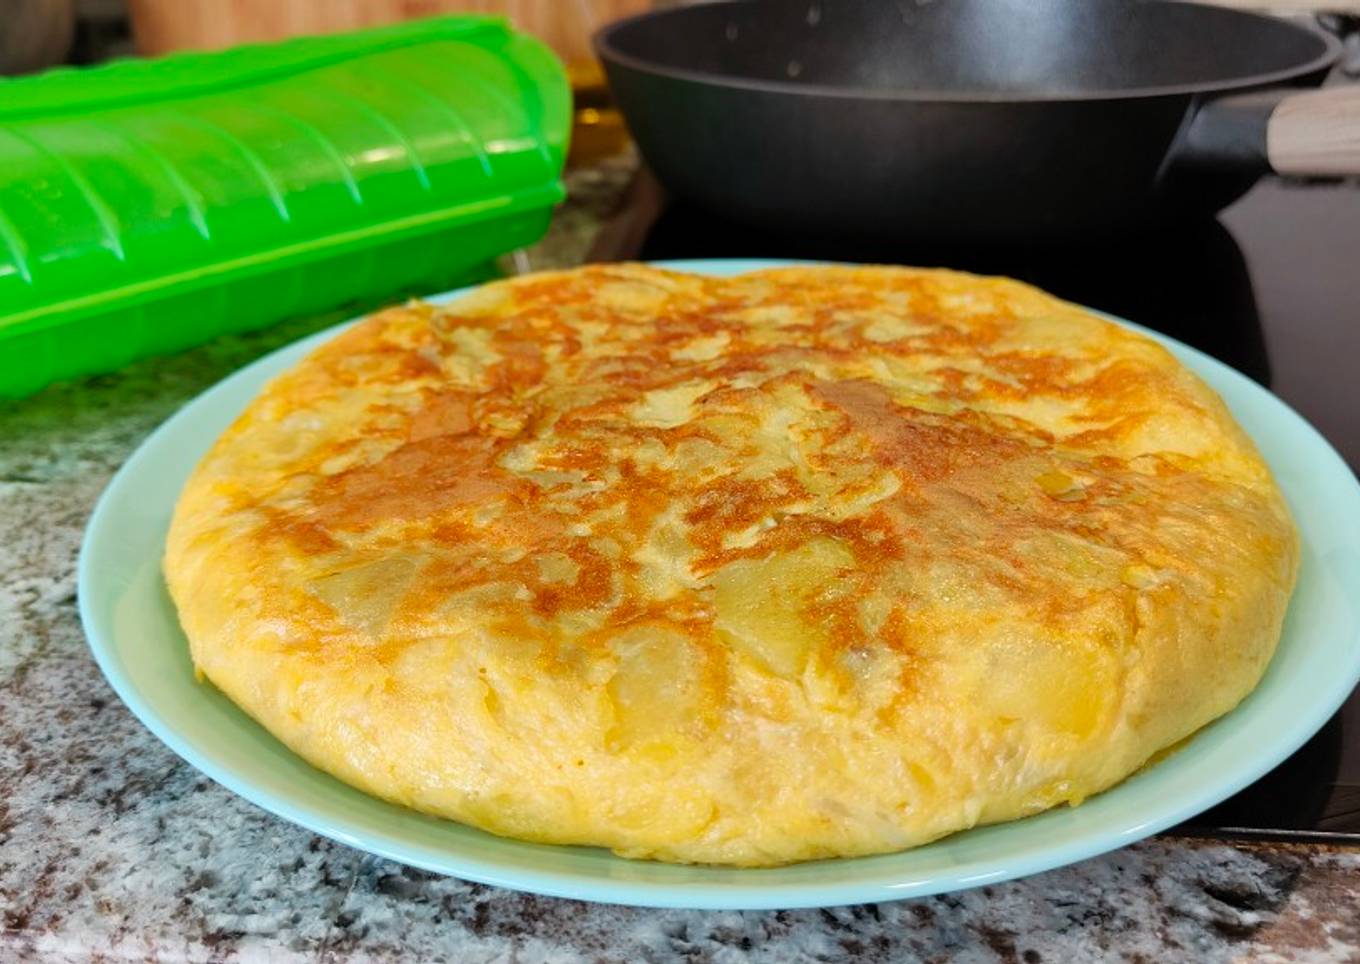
133, 632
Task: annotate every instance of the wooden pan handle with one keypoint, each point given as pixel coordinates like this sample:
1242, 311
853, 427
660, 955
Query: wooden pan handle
1290, 6
1316, 133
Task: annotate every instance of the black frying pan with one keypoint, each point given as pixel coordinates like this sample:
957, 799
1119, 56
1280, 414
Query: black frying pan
974, 120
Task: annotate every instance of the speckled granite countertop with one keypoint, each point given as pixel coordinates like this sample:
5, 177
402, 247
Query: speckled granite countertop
113, 849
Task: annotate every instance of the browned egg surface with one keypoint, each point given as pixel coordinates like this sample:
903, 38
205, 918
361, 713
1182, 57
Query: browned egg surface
806, 562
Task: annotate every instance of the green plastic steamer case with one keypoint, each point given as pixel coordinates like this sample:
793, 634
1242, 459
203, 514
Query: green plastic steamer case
146, 206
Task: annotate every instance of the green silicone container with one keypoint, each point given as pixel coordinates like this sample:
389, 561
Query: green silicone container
146, 206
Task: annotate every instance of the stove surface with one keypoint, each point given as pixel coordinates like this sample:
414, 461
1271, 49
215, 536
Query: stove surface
1269, 287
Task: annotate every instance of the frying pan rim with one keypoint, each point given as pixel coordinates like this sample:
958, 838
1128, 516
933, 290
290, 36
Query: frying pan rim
602, 41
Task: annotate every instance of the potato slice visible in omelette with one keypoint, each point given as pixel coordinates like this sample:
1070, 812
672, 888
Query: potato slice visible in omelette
807, 562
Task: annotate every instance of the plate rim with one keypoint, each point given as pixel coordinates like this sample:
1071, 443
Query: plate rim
746, 892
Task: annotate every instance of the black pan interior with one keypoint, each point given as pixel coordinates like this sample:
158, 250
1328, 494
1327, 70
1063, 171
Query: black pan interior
969, 47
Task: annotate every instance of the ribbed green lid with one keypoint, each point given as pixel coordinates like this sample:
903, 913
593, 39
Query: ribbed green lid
140, 181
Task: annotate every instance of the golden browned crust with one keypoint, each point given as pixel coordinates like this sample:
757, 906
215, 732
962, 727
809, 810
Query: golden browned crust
802, 563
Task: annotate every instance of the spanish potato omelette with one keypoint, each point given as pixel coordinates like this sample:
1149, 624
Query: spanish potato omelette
802, 563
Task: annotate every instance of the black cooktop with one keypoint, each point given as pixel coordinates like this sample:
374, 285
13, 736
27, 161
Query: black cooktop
1270, 287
